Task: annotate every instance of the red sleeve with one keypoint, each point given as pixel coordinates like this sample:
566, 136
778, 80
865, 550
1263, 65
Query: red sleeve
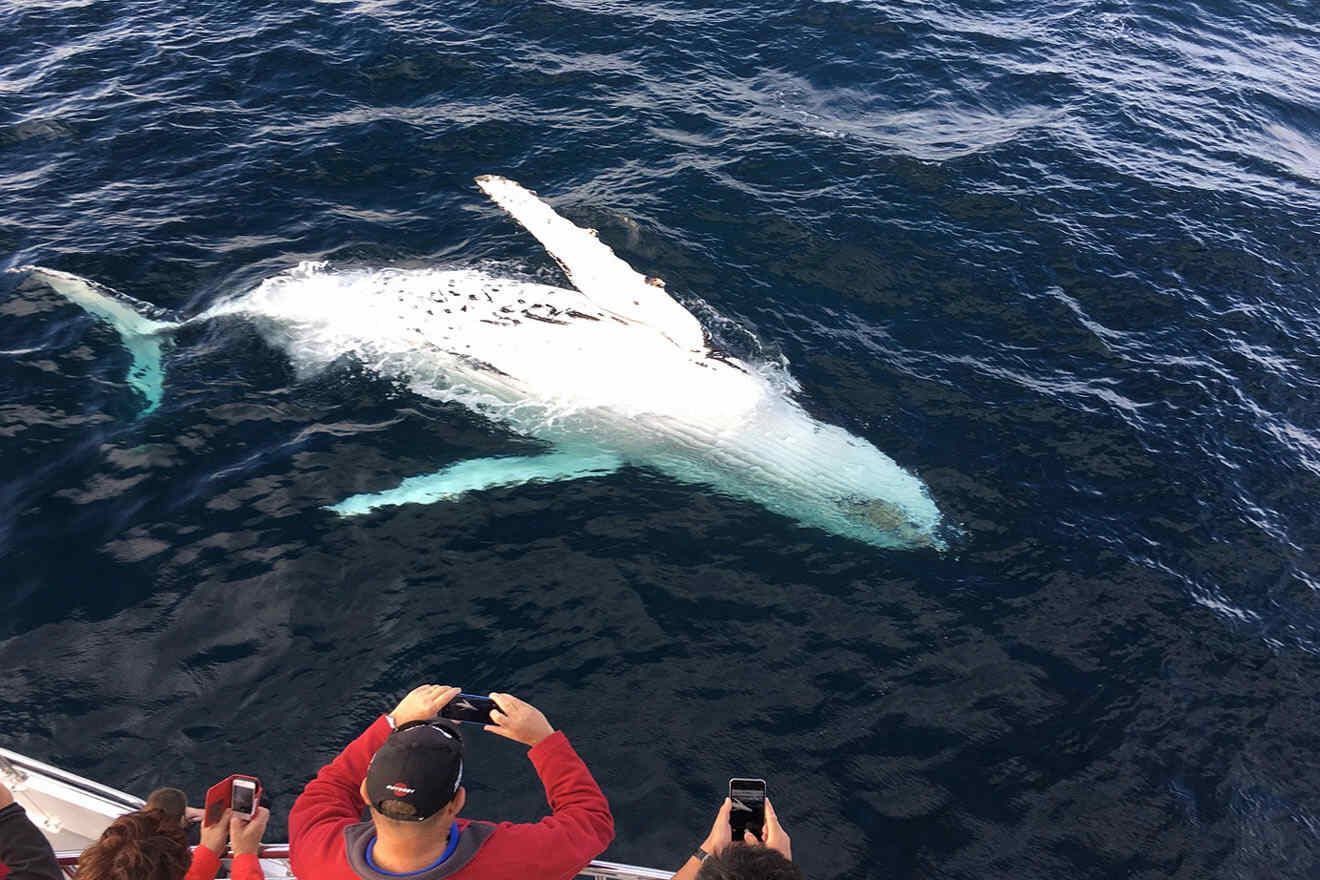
246, 867
204, 865
330, 802
576, 832
4, 871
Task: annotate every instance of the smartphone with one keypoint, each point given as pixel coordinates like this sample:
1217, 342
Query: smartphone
748, 812
238, 793
243, 797
469, 708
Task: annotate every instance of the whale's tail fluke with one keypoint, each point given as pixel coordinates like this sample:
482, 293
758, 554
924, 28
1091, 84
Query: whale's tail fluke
144, 336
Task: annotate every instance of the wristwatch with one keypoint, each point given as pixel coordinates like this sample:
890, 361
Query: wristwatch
700, 855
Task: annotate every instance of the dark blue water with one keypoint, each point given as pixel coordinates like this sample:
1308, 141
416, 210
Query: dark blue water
1057, 258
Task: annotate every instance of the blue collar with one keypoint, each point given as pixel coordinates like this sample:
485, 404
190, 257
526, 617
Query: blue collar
449, 851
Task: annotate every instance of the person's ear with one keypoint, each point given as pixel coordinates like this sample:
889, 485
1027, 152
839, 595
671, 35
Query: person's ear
362, 790
460, 798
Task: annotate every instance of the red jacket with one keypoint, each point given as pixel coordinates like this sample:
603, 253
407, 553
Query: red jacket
555, 848
205, 864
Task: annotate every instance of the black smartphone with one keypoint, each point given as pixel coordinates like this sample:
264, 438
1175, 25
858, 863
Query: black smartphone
469, 708
748, 812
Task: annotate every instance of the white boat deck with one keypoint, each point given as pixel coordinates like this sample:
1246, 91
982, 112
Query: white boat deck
72, 811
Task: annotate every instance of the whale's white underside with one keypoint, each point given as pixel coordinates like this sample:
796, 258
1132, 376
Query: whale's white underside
614, 373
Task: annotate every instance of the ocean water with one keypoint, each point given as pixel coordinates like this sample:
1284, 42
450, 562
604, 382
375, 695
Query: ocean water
1058, 259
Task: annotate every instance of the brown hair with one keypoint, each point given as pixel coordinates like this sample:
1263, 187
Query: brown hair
146, 845
742, 862
169, 801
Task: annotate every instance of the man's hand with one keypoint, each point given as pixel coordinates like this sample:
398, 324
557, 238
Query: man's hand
518, 721
721, 834
192, 815
423, 703
214, 837
6, 796
245, 834
776, 837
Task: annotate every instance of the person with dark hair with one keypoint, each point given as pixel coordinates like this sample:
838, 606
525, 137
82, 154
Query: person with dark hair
151, 844
24, 852
171, 802
752, 862
408, 768
720, 857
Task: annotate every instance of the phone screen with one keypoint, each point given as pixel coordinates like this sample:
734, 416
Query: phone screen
470, 708
243, 801
748, 812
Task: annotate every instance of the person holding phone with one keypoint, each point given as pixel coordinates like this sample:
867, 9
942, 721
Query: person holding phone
150, 844
408, 769
722, 857
242, 833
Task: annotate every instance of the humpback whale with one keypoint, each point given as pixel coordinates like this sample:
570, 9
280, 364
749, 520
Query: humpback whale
613, 372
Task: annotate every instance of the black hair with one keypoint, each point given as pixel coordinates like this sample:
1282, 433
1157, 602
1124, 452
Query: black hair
740, 862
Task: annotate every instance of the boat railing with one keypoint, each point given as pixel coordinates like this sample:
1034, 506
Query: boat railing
275, 857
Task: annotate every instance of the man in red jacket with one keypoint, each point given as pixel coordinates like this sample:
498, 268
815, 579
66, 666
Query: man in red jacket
408, 767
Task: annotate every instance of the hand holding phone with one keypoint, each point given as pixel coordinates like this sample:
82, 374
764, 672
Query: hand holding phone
518, 720
747, 810
422, 703
245, 834
775, 836
719, 838
238, 793
215, 836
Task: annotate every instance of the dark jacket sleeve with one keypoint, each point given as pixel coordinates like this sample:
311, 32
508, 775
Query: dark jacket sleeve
23, 848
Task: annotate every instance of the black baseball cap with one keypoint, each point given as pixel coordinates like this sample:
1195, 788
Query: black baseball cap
421, 764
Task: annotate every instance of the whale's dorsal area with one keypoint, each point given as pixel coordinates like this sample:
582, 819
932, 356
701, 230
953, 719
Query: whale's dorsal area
593, 267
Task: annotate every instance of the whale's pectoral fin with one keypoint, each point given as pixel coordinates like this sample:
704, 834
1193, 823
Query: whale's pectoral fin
596, 270
483, 473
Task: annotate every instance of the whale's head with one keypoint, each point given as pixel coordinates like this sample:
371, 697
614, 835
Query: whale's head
832, 479
885, 523
816, 473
